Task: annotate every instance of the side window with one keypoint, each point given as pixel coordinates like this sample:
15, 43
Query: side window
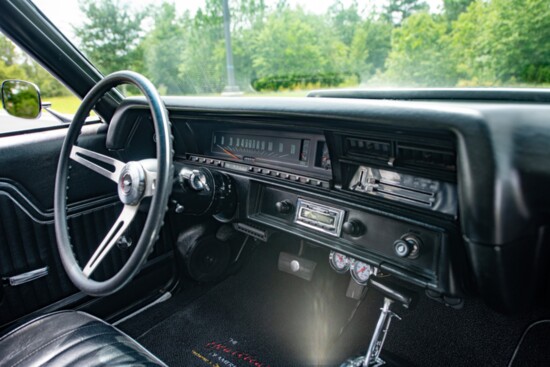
16, 64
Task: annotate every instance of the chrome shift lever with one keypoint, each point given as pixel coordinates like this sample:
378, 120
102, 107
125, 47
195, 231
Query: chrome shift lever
392, 294
372, 357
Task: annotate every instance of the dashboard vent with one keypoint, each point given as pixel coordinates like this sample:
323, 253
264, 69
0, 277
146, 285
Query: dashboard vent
368, 147
426, 157
435, 157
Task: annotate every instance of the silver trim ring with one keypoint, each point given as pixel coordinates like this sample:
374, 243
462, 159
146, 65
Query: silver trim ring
131, 183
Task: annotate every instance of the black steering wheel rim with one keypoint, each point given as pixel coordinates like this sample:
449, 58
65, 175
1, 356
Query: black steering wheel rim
159, 201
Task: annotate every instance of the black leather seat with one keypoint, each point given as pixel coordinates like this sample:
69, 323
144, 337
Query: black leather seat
71, 338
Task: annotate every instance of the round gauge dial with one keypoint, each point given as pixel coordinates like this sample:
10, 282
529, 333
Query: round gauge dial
361, 272
339, 262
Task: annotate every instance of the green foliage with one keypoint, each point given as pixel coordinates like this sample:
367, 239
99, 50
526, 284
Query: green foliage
16, 65
163, 48
284, 47
49, 86
370, 47
511, 47
345, 20
398, 10
294, 43
111, 35
420, 53
8, 68
453, 8
300, 81
203, 60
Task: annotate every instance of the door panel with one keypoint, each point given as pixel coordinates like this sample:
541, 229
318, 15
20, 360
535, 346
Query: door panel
27, 237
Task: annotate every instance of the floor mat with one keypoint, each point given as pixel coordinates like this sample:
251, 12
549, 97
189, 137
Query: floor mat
261, 317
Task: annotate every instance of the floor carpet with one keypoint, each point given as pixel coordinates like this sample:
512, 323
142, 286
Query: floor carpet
263, 317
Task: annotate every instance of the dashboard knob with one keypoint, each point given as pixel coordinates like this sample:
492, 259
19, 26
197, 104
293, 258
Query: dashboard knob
283, 207
353, 227
407, 246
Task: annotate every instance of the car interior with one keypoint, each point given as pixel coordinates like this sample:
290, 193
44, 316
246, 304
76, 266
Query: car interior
404, 227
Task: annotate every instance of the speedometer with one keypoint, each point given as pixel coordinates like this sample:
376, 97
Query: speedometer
246, 147
361, 272
339, 262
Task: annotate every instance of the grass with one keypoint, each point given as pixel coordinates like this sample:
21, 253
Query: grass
67, 104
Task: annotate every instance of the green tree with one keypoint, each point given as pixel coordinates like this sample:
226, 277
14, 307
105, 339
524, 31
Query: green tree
111, 35
521, 40
8, 66
370, 47
472, 46
503, 42
203, 67
420, 53
293, 42
48, 84
163, 49
396, 11
453, 8
344, 20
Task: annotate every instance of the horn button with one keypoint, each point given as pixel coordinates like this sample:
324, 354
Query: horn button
131, 183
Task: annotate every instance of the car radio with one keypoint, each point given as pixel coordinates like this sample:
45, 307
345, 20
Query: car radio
319, 217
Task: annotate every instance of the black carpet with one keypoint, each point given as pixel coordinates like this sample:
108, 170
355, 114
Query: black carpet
262, 317
534, 346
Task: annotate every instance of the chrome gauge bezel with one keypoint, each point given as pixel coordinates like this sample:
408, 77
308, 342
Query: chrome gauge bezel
332, 263
353, 271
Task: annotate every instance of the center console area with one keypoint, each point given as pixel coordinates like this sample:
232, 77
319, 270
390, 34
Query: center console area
388, 202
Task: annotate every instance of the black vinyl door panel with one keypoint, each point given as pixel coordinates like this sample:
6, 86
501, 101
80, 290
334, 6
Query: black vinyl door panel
28, 166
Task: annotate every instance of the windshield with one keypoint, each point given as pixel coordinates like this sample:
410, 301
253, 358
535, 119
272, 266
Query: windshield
287, 48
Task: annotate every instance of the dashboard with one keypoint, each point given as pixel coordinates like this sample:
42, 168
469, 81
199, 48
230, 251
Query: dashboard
438, 195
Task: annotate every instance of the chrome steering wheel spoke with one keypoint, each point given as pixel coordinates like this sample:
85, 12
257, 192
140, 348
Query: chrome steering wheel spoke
85, 157
121, 225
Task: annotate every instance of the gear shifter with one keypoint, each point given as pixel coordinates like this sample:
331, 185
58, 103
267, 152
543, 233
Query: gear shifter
391, 294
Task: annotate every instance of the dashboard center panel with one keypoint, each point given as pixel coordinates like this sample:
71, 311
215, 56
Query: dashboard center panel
288, 181
392, 244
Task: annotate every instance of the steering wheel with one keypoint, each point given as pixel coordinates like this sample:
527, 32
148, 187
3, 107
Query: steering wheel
135, 181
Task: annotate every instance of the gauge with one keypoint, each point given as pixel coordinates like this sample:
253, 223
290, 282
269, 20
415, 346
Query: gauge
322, 158
361, 272
339, 262
248, 147
325, 158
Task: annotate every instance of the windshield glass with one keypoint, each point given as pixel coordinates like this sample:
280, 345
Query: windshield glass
287, 48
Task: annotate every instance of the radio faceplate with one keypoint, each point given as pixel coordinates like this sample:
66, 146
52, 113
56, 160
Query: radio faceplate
319, 217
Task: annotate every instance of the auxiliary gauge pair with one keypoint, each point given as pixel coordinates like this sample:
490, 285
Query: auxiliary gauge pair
360, 271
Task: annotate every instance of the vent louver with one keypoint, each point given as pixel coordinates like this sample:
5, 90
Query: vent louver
368, 147
426, 157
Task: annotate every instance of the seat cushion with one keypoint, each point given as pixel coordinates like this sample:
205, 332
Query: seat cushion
70, 338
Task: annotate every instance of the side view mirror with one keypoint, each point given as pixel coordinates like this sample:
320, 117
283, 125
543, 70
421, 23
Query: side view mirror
21, 99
